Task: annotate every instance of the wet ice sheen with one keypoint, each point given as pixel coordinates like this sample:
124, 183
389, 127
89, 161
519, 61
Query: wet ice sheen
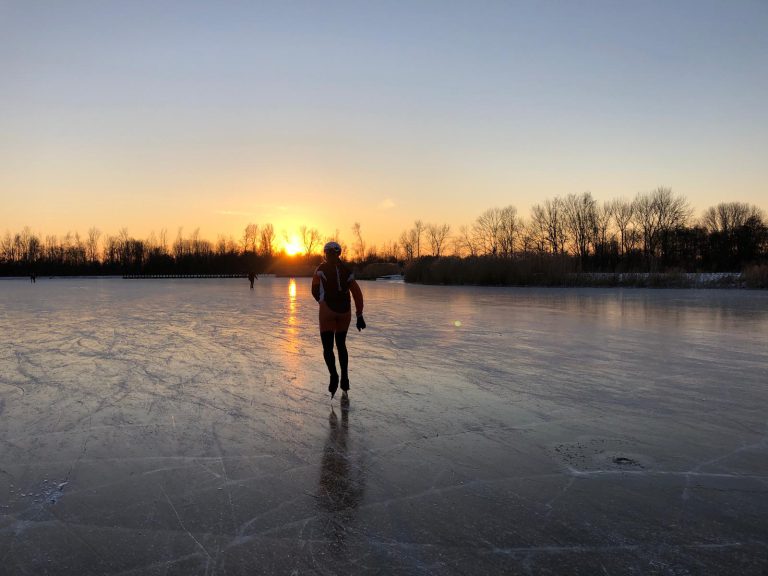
183, 427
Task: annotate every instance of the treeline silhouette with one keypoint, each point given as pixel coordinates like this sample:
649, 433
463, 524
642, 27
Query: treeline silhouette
96, 254
614, 242
653, 232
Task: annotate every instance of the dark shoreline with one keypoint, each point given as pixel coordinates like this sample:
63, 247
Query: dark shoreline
563, 272
684, 281
720, 281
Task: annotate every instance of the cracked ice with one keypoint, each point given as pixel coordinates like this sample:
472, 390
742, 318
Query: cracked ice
183, 427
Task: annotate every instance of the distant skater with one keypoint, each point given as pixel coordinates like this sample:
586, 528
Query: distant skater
332, 284
251, 277
33, 278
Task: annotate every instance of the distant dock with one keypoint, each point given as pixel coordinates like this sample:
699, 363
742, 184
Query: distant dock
188, 276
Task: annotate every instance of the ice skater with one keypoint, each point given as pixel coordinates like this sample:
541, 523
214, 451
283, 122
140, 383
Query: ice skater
332, 284
251, 277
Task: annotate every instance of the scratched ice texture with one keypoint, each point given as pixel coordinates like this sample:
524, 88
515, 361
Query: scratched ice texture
183, 427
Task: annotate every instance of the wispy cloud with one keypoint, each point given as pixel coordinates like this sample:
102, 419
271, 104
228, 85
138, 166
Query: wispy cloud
234, 213
386, 204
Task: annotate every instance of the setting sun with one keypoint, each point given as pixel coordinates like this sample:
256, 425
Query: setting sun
293, 247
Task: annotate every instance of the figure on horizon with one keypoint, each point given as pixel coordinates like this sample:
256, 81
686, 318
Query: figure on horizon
332, 284
33, 278
251, 277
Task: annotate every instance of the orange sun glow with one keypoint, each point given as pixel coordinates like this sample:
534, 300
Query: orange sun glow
293, 247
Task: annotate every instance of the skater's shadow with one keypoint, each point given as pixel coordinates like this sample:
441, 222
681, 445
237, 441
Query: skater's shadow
341, 484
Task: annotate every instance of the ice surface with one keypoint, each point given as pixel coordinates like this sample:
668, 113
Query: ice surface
183, 427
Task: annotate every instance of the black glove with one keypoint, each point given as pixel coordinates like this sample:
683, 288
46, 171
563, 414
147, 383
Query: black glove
360, 323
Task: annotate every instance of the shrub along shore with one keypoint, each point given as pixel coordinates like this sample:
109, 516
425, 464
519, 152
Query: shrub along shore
562, 271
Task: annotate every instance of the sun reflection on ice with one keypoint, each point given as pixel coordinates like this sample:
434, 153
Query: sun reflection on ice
292, 329
290, 338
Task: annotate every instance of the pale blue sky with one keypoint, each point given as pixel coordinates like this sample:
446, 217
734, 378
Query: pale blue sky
163, 114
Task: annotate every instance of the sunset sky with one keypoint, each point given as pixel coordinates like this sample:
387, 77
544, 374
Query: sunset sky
151, 115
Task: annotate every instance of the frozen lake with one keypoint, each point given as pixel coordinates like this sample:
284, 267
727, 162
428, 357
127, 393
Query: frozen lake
184, 427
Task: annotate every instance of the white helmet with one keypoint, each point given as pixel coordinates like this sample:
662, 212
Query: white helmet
332, 248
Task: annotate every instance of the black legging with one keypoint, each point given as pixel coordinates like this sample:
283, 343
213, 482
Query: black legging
330, 359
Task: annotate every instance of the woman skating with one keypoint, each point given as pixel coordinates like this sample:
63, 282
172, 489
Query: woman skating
332, 284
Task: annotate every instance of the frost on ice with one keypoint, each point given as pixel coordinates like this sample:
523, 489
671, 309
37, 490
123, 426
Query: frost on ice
184, 427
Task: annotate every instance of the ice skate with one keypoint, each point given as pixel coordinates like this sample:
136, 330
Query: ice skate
333, 385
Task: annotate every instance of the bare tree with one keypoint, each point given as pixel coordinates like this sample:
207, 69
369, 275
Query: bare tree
221, 245
195, 242
250, 238
548, 223
486, 230
178, 244
727, 217
674, 213
226, 245
509, 231
408, 244
92, 244
156, 244
162, 242
78, 254
151, 243
391, 251
622, 211
6, 248
673, 209
267, 240
123, 245
579, 211
29, 246
416, 233
600, 238
532, 238
359, 245
646, 221
310, 239
466, 243
371, 253
737, 226
33, 249
200, 247
656, 214
437, 235
54, 249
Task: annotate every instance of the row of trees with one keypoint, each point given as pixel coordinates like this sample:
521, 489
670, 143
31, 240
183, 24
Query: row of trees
654, 231
257, 249
25, 252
